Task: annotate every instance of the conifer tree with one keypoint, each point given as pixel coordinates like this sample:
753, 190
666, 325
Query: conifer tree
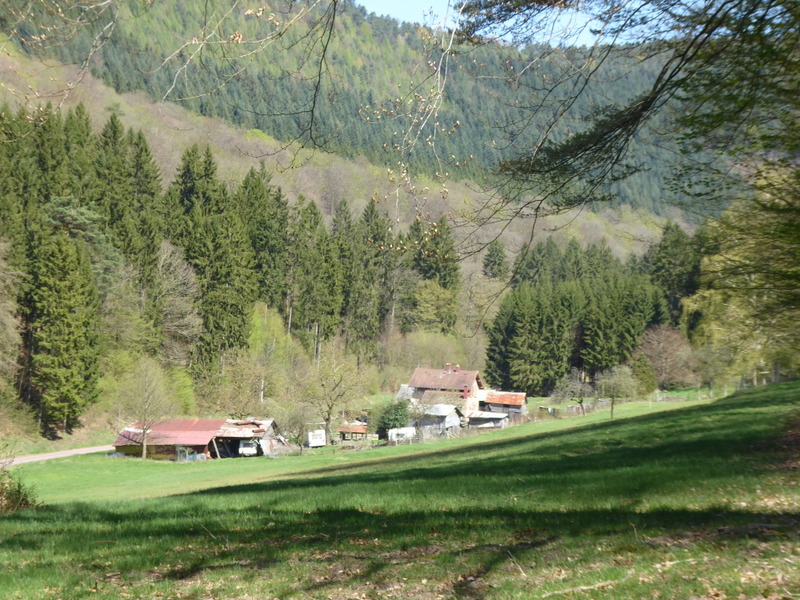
495, 262
51, 154
314, 295
112, 192
265, 215
223, 257
79, 141
434, 252
64, 353
674, 266
370, 281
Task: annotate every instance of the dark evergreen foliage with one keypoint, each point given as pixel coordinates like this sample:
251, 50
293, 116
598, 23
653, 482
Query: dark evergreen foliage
569, 309
372, 55
495, 262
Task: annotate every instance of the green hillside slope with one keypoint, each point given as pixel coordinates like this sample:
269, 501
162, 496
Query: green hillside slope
700, 502
378, 77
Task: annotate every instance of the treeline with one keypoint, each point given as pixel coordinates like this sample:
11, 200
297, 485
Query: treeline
376, 82
100, 262
583, 309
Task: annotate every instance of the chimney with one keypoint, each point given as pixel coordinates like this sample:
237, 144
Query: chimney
458, 369
447, 368
465, 392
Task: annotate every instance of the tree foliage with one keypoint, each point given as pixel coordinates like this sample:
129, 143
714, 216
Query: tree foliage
576, 308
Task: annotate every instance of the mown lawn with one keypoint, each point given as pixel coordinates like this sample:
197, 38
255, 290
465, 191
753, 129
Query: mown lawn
696, 502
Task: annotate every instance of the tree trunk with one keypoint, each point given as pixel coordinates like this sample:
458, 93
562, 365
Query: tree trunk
144, 443
612, 408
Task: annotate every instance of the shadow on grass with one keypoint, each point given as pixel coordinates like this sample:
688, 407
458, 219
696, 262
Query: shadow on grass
467, 512
748, 418
702, 443
170, 543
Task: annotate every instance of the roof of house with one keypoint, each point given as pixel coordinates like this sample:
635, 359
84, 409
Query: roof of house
441, 397
353, 429
453, 379
192, 432
506, 398
483, 414
245, 428
441, 410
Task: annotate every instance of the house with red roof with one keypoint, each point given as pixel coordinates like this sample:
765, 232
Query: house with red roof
462, 388
451, 385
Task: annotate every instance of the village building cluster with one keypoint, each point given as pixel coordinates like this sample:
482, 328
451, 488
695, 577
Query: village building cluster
445, 400
442, 403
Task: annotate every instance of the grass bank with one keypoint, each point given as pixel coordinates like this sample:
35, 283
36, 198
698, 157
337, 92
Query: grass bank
697, 502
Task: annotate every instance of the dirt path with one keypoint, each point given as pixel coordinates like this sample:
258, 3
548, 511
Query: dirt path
60, 454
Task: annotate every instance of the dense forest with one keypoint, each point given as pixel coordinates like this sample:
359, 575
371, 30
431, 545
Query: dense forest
138, 291
106, 275
103, 260
377, 84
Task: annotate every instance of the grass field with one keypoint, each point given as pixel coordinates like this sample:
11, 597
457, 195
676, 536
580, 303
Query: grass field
699, 501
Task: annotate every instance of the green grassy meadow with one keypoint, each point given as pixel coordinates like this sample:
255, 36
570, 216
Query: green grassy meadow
698, 501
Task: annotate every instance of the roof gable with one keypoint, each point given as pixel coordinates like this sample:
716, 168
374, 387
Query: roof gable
445, 379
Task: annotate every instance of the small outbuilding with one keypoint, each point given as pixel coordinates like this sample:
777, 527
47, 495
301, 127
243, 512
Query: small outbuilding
354, 432
510, 403
200, 439
439, 420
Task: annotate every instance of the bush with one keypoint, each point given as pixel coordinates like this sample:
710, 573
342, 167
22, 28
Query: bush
396, 415
14, 495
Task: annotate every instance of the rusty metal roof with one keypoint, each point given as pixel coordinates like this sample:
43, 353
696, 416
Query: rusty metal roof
353, 429
176, 432
444, 379
506, 398
192, 432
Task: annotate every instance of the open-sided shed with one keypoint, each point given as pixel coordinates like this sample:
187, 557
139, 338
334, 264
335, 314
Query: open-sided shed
197, 439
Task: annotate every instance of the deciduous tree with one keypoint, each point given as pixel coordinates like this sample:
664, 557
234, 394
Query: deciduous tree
332, 384
144, 399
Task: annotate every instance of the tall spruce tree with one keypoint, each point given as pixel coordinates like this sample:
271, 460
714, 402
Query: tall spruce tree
112, 184
674, 266
495, 262
314, 283
64, 354
574, 309
434, 252
265, 215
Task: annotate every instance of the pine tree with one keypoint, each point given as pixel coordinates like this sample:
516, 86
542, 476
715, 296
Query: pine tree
314, 298
434, 254
79, 141
495, 262
112, 192
674, 266
64, 353
51, 154
265, 214
223, 258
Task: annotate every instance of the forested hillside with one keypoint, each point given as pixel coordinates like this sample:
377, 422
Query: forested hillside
147, 284
105, 265
378, 77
